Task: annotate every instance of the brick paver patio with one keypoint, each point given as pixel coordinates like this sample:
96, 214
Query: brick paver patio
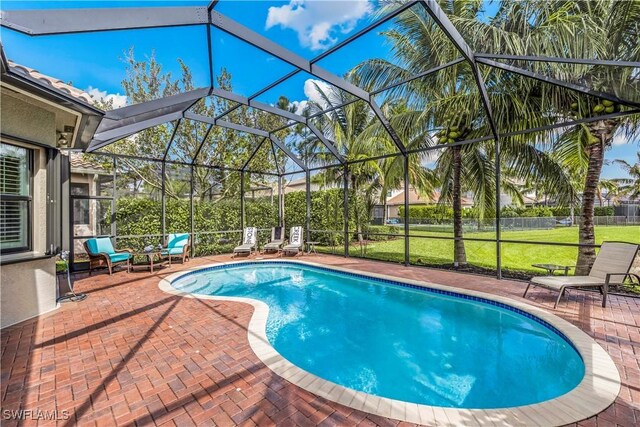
132, 355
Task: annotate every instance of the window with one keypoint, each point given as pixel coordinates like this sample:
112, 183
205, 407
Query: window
15, 198
79, 189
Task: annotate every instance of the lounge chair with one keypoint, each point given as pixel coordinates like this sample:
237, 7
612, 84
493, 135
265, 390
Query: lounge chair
177, 246
277, 240
102, 254
249, 242
295, 242
613, 260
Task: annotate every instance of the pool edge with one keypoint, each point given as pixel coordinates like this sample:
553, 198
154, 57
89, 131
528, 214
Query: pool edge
598, 389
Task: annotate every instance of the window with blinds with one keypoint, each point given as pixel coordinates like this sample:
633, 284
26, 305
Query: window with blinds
15, 198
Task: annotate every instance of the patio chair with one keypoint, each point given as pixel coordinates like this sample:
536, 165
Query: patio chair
249, 242
613, 260
177, 246
295, 242
102, 254
277, 240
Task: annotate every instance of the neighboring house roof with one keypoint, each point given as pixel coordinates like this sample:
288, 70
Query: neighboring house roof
79, 164
414, 198
297, 182
417, 199
54, 83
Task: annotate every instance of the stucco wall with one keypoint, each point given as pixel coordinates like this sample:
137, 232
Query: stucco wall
25, 120
28, 289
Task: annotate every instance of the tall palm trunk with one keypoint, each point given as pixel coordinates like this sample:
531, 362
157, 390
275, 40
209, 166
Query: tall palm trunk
357, 216
459, 254
602, 131
385, 215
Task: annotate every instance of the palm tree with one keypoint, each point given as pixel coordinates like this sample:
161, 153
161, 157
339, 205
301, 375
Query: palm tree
358, 136
608, 186
447, 106
631, 185
604, 29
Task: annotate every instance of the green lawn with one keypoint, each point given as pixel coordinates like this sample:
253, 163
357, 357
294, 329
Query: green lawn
515, 256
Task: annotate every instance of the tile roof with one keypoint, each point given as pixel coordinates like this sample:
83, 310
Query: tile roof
417, 199
79, 162
56, 84
414, 198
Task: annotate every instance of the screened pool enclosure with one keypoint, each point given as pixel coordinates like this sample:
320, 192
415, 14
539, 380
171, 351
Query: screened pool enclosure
211, 160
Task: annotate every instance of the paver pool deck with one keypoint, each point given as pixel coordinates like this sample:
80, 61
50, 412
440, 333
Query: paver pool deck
131, 354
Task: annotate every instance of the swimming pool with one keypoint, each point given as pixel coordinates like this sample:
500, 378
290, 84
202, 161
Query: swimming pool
396, 340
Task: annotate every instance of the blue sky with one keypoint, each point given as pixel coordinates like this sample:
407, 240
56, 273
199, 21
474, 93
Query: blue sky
94, 61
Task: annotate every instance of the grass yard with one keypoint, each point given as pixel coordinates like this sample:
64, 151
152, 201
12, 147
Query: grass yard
515, 256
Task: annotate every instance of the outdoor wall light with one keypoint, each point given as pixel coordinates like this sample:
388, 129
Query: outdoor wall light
62, 140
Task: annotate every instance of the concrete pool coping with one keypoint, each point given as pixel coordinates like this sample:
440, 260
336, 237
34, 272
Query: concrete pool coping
597, 390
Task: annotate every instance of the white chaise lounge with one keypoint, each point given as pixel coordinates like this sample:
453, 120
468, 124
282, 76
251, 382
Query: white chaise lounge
249, 242
277, 240
295, 245
613, 261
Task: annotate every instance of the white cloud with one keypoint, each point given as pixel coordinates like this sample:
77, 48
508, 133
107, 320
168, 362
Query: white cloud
311, 92
299, 106
622, 136
317, 21
102, 96
619, 139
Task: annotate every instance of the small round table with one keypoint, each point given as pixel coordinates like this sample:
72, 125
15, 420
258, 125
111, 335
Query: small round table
311, 247
150, 260
551, 268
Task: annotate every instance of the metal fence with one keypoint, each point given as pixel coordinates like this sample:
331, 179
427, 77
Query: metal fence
517, 223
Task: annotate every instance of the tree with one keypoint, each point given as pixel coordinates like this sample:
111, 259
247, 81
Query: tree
630, 186
359, 136
445, 109
146, 80
346, 127
604, 29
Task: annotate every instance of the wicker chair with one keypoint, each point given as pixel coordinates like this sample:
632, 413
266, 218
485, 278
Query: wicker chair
102, 254
178, 246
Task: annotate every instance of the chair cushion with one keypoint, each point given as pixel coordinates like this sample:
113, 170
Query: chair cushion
556, 282
250, 234
119, 257
173, 251
277, 234
101, 244
274, 244
177, 240
295, 236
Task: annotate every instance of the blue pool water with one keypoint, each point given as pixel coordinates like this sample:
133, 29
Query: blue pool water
398, 342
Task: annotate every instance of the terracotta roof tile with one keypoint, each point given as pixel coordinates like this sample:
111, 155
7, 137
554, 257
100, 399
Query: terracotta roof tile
78, 161
51, 81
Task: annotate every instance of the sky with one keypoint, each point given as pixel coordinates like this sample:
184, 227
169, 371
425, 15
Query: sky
93, 61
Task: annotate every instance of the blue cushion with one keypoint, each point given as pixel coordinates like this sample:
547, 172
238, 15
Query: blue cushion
101, 244
177, 240
173, 251
119, 257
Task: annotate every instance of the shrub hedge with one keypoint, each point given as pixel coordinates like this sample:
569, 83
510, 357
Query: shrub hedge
217, 223
438, 214
142, 217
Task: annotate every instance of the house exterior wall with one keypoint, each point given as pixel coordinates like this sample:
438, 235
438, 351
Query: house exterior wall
28, 288
27, 121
